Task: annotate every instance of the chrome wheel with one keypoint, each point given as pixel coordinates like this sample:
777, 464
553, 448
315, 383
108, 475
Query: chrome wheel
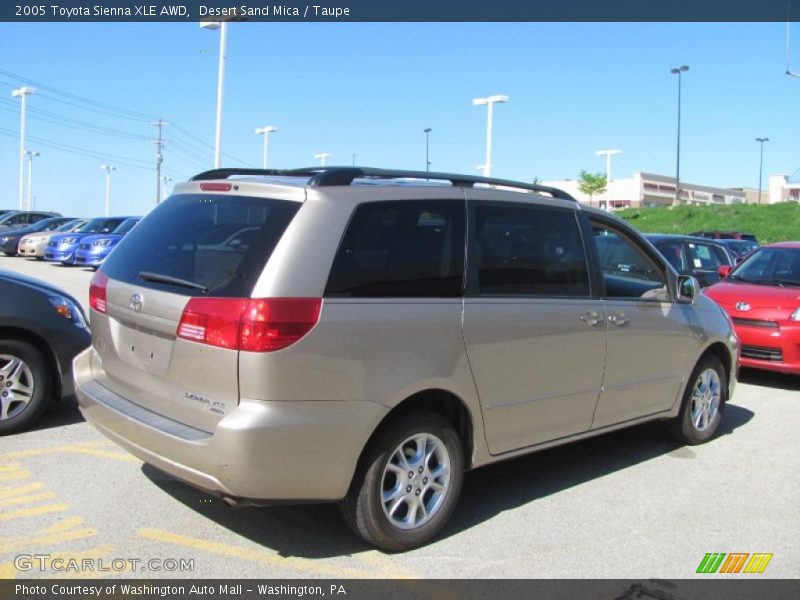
706, 398
415, 481
17, 385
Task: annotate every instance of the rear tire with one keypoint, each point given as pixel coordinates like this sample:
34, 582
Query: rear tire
703, 402
25, 385
408, 483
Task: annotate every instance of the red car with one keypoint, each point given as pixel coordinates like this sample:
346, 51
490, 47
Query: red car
762, 296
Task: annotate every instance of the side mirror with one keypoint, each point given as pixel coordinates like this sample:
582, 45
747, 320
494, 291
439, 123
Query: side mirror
724, 271
688, 288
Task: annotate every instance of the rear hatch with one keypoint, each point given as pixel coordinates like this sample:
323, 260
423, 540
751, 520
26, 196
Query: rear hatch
207, 248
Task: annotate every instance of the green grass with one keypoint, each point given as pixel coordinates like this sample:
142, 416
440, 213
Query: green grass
770, 222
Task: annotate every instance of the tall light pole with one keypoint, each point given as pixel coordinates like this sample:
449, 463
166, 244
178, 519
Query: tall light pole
489, 102
22, 93
677, 71
31, 155
322, 157
427, 131
761, 165
165, 180
265, 131
108, 169
223, 49
608, 154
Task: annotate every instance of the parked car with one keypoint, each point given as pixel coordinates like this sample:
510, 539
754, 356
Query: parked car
94, 249
699, 257
61, 248
5, 211
34, 244
42, 328
738, 249
726, 235
762, 296
10, 238
18, 218
308, 337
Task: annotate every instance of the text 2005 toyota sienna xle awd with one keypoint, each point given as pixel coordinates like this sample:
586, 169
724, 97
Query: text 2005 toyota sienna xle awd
361, 336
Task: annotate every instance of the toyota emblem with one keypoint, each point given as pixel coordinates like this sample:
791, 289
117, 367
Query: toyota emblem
136, 303
743, 306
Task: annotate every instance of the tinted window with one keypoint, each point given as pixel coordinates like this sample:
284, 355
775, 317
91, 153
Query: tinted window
401, 249
705, 256
627, 270
673, 252
528, 250
219, 242
125, 226
779, 266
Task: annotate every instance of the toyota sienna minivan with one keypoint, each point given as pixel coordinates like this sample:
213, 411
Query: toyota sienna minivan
365, 336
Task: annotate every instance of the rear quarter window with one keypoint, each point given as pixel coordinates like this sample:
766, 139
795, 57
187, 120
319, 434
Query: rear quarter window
219, 242
403, 249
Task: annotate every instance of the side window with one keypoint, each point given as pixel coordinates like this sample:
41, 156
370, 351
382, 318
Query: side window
705, 256
627, 270
401, 249
673, 252
528, 250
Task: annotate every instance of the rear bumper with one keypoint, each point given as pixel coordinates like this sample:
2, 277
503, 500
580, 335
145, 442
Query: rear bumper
260, 452
771, 349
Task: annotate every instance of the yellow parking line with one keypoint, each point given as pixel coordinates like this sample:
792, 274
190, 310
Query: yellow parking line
11, 545
8, 492
63, 525
293, 563
52, 450
30, 499
386, 566
23, 513
9, 467
14, 475
105, 454
9, 571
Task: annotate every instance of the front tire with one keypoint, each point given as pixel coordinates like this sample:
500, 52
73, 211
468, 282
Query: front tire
25, 384
408, 483
703, 402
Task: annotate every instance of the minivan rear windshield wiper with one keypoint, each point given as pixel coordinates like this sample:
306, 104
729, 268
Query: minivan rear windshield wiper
148, 276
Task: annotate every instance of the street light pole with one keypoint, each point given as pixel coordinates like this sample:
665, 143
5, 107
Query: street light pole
22, 93
761, 165
427, 131
322, 157
31, 155
108, 169
265, 131
608, 154
489, 102
223, 49
677, 71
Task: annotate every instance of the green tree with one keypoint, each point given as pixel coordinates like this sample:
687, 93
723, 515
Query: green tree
591, 184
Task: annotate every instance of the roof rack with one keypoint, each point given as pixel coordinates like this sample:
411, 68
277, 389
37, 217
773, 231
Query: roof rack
330, 176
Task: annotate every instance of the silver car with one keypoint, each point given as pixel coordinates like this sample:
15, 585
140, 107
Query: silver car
366, 336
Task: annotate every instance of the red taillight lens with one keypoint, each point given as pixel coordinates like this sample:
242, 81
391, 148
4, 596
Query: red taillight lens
97, 292
253, 325
216, 187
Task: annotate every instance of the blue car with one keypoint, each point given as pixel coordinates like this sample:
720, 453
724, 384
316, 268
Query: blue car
62, 247
94, 249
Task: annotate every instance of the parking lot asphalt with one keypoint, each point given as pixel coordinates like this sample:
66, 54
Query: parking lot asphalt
624, 505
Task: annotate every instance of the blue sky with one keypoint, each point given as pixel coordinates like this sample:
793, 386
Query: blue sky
371, 89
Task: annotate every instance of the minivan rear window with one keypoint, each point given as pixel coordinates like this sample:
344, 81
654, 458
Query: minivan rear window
216, 244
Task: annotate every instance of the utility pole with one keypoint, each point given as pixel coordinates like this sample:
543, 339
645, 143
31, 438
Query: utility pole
427, 131
108, 169
761, 165
159, 142
22, 93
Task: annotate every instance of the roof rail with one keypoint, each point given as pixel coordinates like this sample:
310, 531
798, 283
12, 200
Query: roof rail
331, 176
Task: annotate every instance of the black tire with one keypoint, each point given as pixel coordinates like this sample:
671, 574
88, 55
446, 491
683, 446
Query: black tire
683, 426
362, 508
41, 380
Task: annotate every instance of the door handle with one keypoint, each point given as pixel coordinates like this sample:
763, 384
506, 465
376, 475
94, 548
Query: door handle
591, 318
618, 319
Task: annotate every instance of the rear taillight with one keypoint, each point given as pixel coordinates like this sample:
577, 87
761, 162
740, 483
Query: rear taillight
253, 325
97, 292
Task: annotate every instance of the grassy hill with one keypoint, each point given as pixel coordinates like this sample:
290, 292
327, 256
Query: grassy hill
770, 223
